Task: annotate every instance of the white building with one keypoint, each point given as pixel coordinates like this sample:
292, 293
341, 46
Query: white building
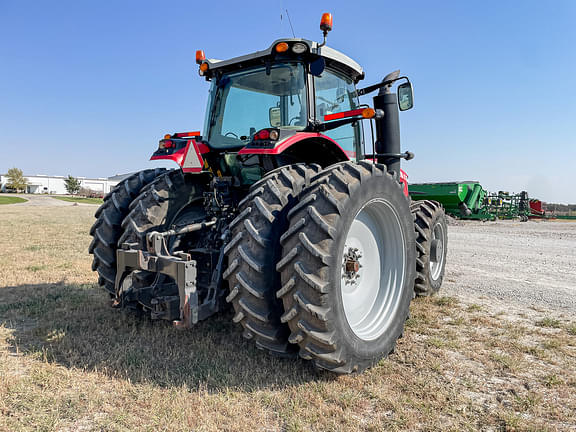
39, 184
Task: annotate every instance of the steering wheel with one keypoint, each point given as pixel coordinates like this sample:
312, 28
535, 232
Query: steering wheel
292, 119
231, 133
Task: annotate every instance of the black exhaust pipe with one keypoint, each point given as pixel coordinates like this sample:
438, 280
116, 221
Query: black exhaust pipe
388, 129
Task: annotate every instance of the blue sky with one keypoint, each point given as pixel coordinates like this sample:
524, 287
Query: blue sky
88, 87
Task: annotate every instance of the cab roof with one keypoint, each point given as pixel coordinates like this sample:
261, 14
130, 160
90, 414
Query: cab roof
334, 59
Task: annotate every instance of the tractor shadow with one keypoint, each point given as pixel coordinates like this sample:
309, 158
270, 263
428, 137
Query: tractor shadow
74, 326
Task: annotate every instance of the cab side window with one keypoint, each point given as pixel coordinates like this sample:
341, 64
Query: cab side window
336, 94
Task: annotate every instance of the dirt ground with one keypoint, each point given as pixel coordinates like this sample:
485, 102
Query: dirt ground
496, 350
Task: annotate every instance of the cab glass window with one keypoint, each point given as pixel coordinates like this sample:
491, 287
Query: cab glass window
243, 102
334, 94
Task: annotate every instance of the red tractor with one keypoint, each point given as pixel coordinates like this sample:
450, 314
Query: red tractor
280, 209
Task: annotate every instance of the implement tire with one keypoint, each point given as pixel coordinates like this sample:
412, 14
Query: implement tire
107, 229
348, 267
253, 251
431, 244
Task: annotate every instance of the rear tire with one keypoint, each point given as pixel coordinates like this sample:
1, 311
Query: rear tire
159, 205
332, 328
431, 244
107, 229
253, 251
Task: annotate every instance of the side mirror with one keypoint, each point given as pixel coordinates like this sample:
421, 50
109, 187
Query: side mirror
274, 117
405, 96
317, 66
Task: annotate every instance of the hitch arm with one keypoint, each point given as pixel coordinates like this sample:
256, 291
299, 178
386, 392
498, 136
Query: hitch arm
181, 270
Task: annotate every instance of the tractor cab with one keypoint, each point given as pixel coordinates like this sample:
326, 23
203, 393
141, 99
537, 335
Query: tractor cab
259, 100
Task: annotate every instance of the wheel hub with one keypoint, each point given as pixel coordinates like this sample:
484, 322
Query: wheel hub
436, 251
351, 265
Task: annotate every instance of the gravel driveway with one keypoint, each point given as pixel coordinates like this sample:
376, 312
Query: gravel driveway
528, 264
44, 201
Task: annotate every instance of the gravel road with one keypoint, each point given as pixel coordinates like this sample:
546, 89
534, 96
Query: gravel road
518, 263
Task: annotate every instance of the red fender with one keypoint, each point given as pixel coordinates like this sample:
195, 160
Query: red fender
404, 181
189, 158
284, 145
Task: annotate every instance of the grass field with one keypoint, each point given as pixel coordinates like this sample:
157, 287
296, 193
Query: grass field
11, 200
69, 362
80, 200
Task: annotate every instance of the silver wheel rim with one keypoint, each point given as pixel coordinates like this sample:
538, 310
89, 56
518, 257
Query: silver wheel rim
372, 289
437, 258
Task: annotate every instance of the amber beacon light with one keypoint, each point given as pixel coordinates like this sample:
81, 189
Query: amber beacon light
326, 22
325, 26
200, 57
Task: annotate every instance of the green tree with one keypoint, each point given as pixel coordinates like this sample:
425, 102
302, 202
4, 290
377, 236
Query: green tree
16, 180
72, 185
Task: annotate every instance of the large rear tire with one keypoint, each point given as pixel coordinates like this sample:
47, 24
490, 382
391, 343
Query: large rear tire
173, 199
159, 205
431, 244
348, 267
254, 250
107, 229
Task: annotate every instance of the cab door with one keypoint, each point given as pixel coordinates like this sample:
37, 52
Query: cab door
336, 93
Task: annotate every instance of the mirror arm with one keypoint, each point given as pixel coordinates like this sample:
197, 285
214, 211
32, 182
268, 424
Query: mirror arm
374, 87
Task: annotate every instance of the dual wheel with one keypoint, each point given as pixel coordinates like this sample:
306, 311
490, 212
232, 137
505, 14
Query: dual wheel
431, 246
321, 263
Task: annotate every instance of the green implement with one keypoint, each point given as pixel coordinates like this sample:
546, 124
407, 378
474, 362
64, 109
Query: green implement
464, 200
504, 205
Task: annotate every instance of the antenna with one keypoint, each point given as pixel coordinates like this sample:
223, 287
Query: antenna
290, 21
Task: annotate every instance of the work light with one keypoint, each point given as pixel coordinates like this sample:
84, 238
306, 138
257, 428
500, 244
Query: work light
299, 48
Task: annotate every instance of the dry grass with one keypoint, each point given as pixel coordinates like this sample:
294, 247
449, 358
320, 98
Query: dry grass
69, 362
